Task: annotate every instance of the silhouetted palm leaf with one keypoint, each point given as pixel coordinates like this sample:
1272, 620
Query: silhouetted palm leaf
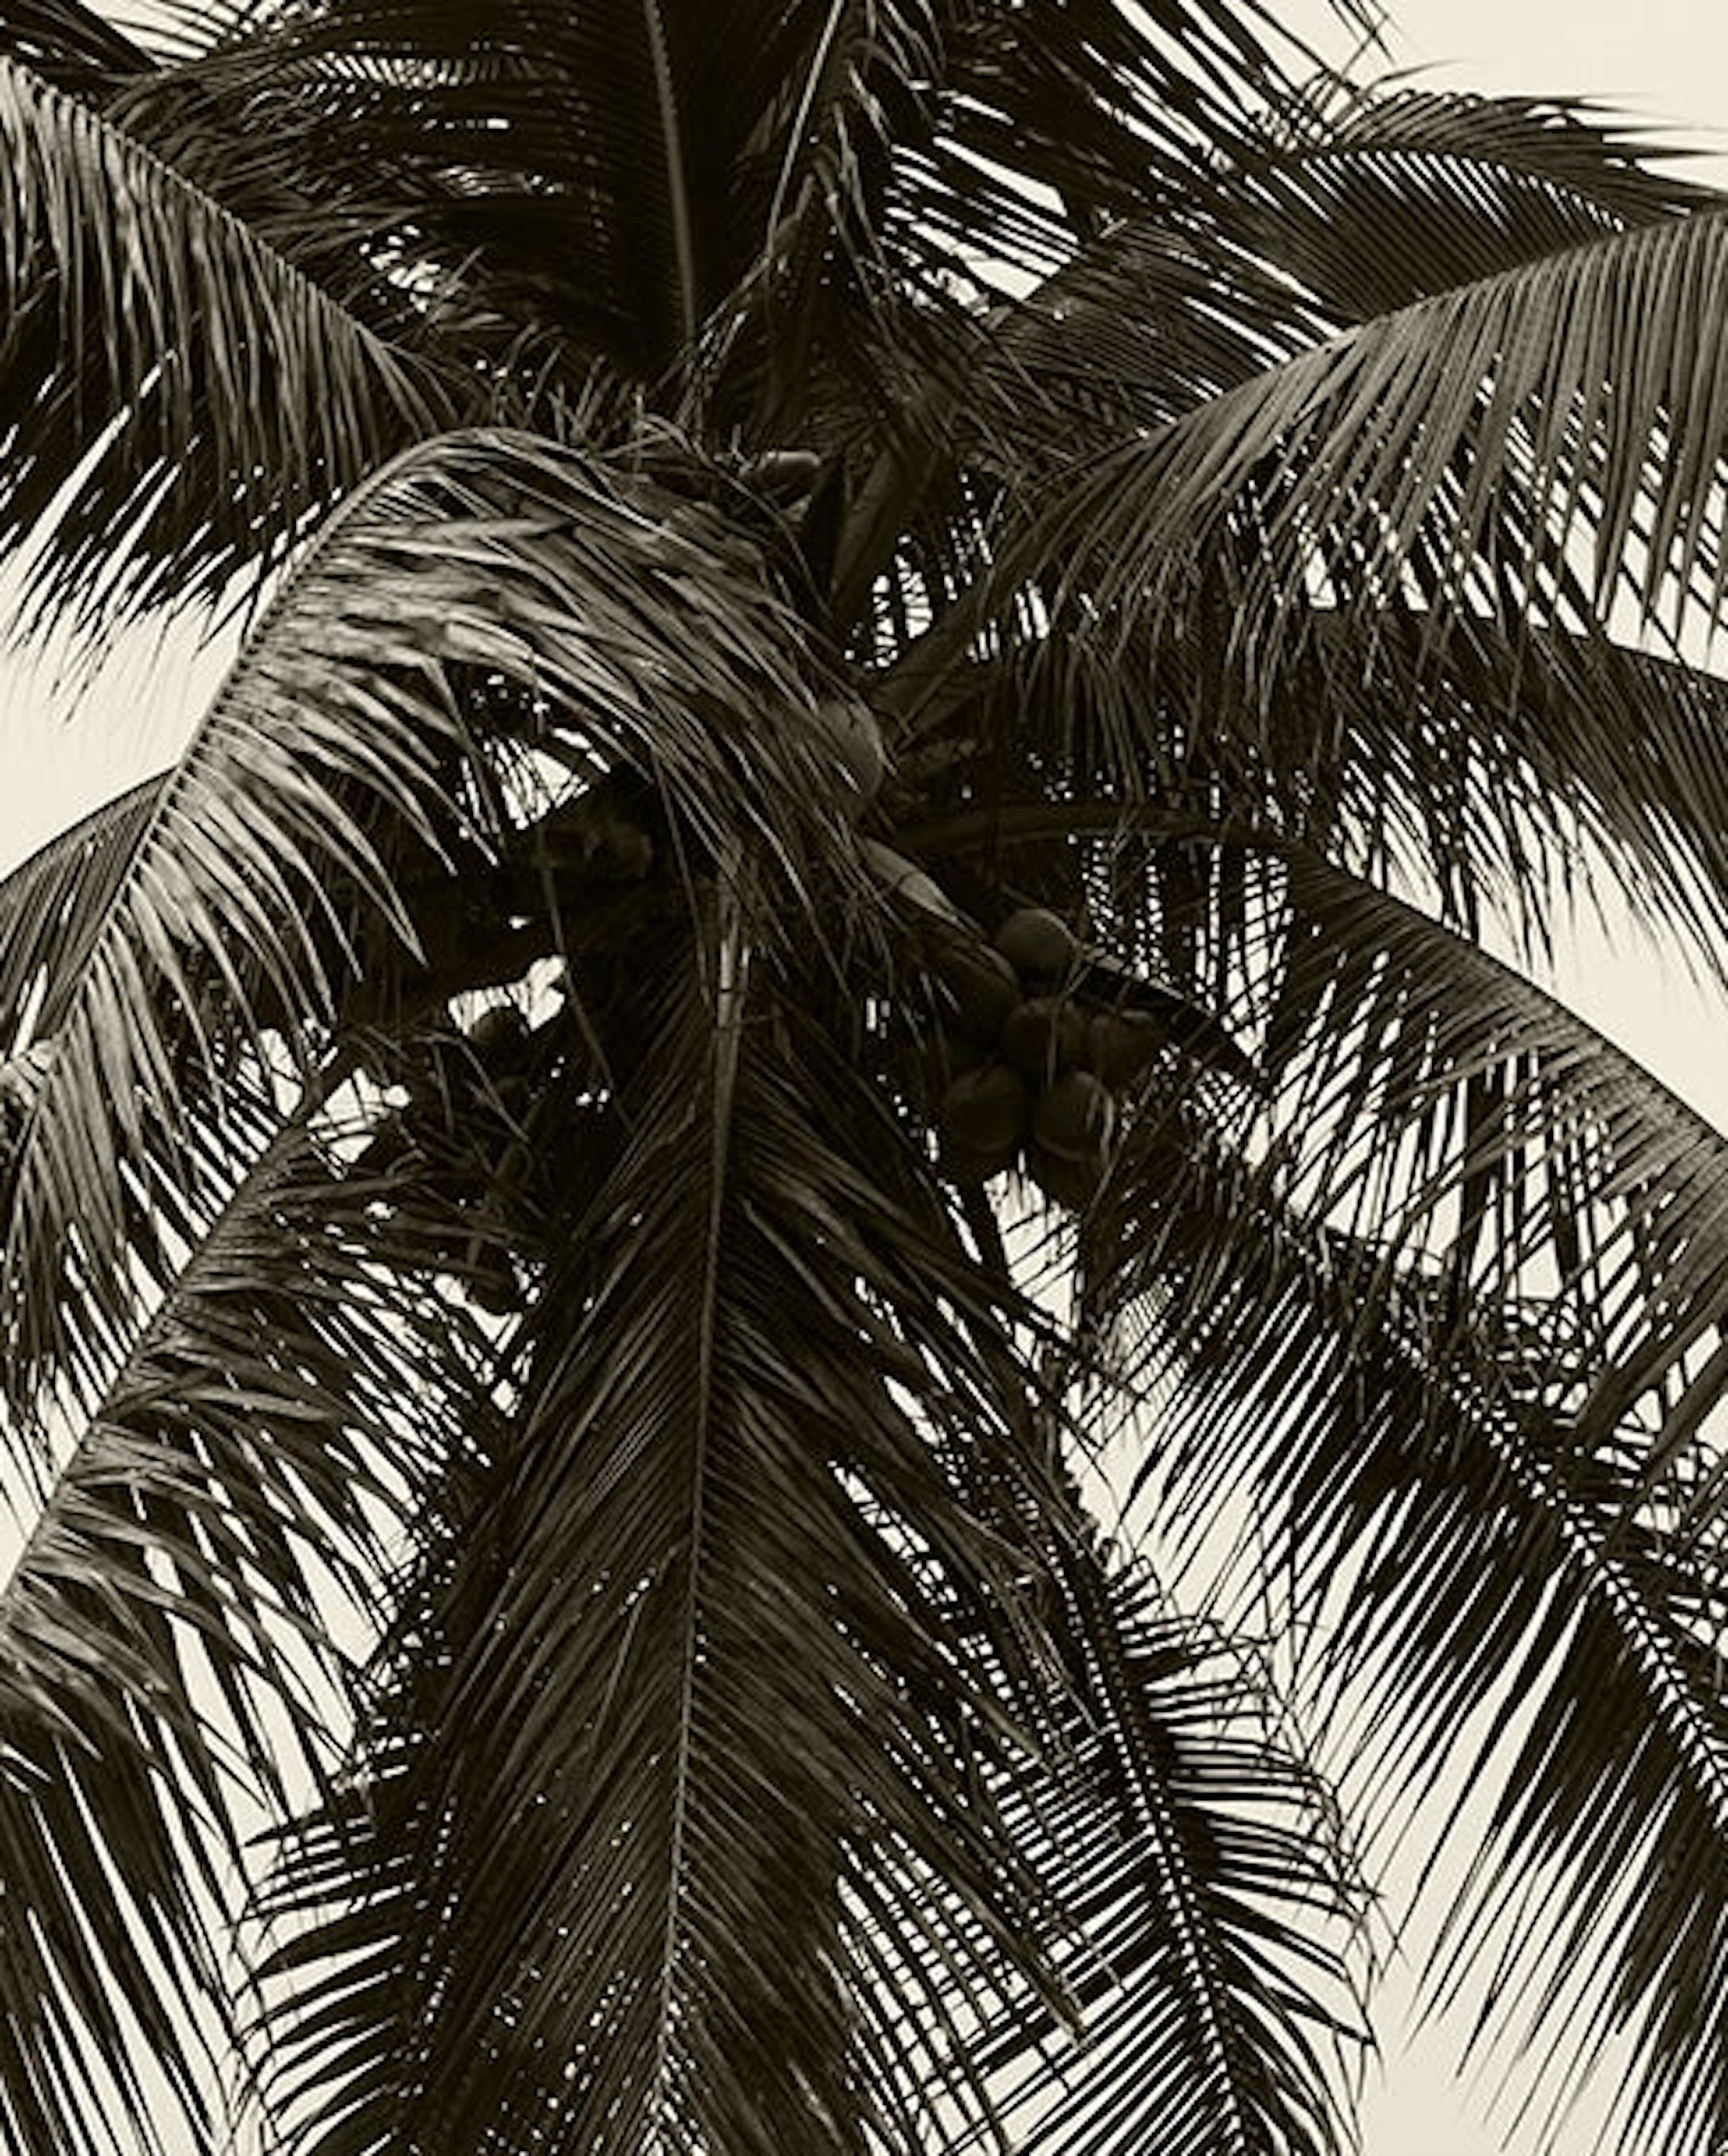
560, 1288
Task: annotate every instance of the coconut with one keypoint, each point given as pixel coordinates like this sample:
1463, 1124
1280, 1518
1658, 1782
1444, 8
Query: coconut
1038, 944
1076, 1116
489, 1277
1044, 1036
1063, 1180
963, 1163
984, 1109
499, 1037
980, 987
1121, 1045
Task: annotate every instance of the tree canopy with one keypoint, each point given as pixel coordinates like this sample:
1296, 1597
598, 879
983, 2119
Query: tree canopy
904, 669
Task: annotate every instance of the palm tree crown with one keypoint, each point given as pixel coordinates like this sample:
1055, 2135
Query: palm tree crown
897, 661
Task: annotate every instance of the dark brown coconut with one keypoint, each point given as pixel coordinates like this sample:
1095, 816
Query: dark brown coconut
985, 1110
1123, 1045
947, 1056
976, 1164
499, 1037
1076, 1116
1063, 1180
978, 987
1038, 944
1044, 1036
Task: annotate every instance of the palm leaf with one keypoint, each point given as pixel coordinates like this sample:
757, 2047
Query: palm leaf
153, 449
50, 903
1483, 1577
169, 1626
1450, 1317
1214, 1901
1407, 192
1509, 778
266, 874
68, 44
1582, 385
701, 1930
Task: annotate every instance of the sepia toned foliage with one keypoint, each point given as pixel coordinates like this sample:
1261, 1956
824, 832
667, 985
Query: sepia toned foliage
901, 670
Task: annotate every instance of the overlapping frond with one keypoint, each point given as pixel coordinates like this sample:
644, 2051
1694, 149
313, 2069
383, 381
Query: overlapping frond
176, 398
1582, 393
171, 1627
1336, 218
1407, 192
1510, 778
831, 1773
68, 44
1449, 1323
338, 758
1214, 1898
696, 1847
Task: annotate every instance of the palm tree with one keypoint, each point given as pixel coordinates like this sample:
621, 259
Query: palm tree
899, 662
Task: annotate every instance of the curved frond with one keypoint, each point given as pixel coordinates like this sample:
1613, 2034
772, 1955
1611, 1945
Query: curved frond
1215, 1902
1452, 1320
1409, 191
711, 1664
1333, 220
265, 883
68, 44
170, 1628
1383, 462
51, 903
177, 398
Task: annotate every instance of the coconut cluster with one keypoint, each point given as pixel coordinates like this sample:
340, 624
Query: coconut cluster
1027, 1068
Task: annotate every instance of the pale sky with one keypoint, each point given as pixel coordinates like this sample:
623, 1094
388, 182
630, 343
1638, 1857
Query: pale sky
1664, 62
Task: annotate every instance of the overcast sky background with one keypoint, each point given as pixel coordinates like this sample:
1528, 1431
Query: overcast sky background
1664, 62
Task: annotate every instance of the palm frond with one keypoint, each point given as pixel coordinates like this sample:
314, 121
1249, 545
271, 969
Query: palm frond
264, 881
1580, 390
1215, 1902
1510, 777
172, 1626
1516, 1614
711, 1668
50, 903
70, 45
1449, 1322
1409, 191
178, 399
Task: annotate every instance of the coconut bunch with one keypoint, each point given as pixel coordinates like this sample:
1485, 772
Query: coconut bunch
1041, 1046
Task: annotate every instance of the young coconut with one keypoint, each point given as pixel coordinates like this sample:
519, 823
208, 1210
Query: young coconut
500, 1037
986, 1111
1038, 944
973, 1164
948, 1055
979, 985
1044, 1037
1075, 1117
1063, 1180
1122, 1045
